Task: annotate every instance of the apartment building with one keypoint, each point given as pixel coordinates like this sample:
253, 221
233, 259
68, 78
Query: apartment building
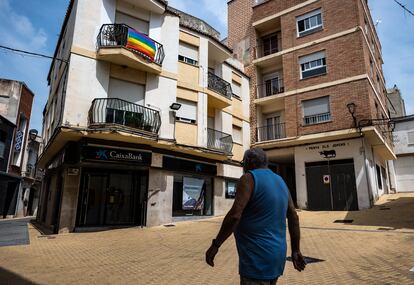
396, 104
318, 97
146, 122
16, 101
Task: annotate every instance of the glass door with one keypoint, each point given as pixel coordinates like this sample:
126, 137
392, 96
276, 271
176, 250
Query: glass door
93, 200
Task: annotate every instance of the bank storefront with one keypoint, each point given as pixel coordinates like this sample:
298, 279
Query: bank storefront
95, 185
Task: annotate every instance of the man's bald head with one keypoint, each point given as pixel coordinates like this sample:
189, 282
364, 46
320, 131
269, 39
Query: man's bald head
254, 158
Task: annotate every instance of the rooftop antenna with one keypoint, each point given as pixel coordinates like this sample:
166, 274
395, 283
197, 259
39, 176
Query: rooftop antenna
377, 22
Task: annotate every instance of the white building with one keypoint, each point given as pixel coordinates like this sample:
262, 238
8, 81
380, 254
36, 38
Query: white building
403, 181
116, 149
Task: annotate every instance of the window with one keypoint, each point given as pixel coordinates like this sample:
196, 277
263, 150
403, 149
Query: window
188, 53
273, 86
270, 44
410, 138
3, 136
231, 189
237, 134
187, 112
309, 23
236, 88
139, 25
312, 65
316, 111
128, 91
379, 177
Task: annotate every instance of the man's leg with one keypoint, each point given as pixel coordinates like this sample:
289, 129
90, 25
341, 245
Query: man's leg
248, 281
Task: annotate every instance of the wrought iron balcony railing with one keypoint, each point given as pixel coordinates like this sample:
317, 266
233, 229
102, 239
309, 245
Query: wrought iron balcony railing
316, 119
271, 132
121, 35
272, 87
219, 85
115, 111
219, 141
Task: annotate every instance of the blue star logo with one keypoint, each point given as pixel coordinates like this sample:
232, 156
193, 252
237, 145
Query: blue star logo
101, 154
198, 168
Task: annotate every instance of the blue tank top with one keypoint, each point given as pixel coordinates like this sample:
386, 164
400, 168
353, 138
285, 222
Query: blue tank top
261, 233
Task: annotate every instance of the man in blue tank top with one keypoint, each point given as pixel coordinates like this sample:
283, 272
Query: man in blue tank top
258, 221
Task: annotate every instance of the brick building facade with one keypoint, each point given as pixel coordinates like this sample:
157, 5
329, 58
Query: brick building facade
318, 97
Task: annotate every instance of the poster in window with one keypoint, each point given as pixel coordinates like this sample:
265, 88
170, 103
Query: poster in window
231, 189
193, 193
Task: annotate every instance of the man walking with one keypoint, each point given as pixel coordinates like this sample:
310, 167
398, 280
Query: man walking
258, 221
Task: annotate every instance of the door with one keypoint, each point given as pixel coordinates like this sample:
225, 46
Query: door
273, 130
331, 186
272, 86
93, 200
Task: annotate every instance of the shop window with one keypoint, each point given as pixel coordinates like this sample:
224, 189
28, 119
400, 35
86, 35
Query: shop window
3, 136
192, 196
231, 189
316, 111
188, 53
309, 23
187, 112
312, 65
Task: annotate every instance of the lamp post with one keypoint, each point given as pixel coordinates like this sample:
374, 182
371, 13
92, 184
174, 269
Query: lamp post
174, 107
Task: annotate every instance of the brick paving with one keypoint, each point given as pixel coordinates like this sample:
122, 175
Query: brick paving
377, 248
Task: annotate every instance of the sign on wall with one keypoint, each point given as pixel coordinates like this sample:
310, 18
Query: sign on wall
326, 179
111, 154
193, 193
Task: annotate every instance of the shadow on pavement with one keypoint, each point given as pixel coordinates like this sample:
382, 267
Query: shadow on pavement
10, 278
394, 214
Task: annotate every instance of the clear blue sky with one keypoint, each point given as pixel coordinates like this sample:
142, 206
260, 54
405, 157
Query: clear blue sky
35, 25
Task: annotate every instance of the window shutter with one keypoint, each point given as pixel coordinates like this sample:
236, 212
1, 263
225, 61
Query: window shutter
237, 134
316, 106
236, 88
128, 91
311, 57
188, 110
188, 51
135, 23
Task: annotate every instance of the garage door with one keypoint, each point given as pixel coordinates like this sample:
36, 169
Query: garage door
404, 170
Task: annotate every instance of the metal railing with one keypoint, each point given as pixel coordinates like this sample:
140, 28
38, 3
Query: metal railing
219, 85
316, 119
116, 35
115, 111
219, 141
271, 132
273, 87
261, 50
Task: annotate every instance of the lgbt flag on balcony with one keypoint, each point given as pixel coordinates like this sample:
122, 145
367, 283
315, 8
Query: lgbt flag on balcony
141, 43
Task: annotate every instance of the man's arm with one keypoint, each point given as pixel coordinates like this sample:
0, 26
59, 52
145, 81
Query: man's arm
294, 232
244, 191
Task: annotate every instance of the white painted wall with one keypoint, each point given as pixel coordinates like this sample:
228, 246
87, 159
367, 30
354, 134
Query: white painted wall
404, 170
401, 137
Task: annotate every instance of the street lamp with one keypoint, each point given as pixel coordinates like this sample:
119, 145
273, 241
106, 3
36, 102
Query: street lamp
175, 106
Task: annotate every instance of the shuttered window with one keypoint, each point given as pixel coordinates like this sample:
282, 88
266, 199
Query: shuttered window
316, 110
139, 25
312, 65
188, 53
237, 134
236, 88
309, 23
187, 112
128, 91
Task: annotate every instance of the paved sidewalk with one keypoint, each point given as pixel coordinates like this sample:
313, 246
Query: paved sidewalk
14, 231
377, 248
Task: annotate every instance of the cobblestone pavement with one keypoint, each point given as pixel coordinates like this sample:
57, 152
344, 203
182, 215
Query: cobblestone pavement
377, 248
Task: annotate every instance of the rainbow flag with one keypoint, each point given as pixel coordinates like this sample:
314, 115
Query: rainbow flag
141, 43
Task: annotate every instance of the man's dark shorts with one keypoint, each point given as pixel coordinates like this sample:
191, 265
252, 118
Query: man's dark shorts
248, 281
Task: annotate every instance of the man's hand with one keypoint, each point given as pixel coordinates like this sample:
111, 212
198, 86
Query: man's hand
210, 254
298, 261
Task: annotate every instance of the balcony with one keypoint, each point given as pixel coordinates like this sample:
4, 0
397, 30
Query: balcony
271, 132
270, 88
125, 115
267, 51
219, 92
219, 141
317, 119
122, 45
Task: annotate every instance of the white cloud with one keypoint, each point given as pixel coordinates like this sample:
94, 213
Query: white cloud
18, 31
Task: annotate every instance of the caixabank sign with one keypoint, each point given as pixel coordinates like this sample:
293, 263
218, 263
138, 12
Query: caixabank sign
115, 155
